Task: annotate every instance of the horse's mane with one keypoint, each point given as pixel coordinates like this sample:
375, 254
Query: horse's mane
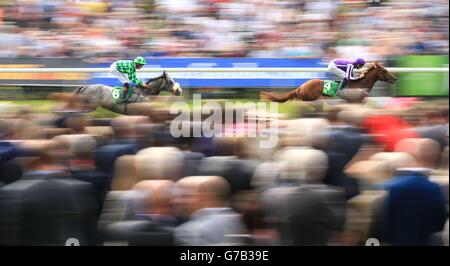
153, 79
373, 66
154, 91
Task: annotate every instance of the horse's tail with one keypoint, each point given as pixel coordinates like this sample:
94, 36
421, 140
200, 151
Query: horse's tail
281, 98
67, 96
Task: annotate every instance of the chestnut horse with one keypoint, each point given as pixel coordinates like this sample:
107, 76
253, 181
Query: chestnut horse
312, 89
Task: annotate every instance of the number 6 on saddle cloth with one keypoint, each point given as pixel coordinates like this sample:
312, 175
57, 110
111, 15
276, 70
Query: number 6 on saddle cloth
117, 92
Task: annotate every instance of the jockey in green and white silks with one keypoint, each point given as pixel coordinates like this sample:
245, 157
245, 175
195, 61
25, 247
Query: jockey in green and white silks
125, 71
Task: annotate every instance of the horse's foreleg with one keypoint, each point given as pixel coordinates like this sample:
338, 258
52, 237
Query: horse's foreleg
130, 108
353, 95
144, 109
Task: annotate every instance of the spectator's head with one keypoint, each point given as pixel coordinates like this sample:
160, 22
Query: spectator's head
303, 165
395, 159
156, 196
81, 146
302, 132
77, 123
46, 153
371, 172
198, 192
354, 115
159, 163
426, 151
124, 127
267, 174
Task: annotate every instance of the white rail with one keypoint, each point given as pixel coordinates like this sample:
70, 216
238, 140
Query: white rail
158, 70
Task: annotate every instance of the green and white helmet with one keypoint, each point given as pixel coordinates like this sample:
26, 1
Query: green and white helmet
140, 61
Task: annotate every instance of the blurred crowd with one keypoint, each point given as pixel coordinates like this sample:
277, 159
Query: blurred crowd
338, 176
102, 30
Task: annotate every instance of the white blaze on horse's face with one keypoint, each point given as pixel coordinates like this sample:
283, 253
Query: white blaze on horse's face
176, 88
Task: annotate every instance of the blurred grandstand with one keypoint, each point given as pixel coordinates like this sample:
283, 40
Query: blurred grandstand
104, 30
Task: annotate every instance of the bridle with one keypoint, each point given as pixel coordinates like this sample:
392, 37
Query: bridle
156, 91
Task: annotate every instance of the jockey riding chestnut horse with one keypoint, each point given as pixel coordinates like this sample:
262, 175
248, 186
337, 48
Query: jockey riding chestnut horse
316, 88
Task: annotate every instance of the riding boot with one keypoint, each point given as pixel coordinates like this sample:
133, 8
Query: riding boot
124, 95
342, 84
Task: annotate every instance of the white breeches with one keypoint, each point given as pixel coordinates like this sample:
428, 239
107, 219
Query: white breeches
121, 76
332, 68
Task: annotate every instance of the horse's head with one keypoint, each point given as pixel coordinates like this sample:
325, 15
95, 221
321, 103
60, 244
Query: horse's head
166, 83
383, 74
172, 86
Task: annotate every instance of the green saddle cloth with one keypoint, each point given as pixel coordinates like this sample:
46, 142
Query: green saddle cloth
330, 87
117, 94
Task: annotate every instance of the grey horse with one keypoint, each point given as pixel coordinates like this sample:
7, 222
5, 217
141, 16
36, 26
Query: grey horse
101, 95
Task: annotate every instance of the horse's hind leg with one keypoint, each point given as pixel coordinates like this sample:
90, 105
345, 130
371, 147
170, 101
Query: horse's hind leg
81, 103
310, 91
71, 101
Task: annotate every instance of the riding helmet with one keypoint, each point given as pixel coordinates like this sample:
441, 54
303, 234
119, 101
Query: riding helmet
360, 61
140, 60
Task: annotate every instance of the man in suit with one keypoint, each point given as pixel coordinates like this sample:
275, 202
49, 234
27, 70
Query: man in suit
414, 209
316, 213
305, 211
205, 200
